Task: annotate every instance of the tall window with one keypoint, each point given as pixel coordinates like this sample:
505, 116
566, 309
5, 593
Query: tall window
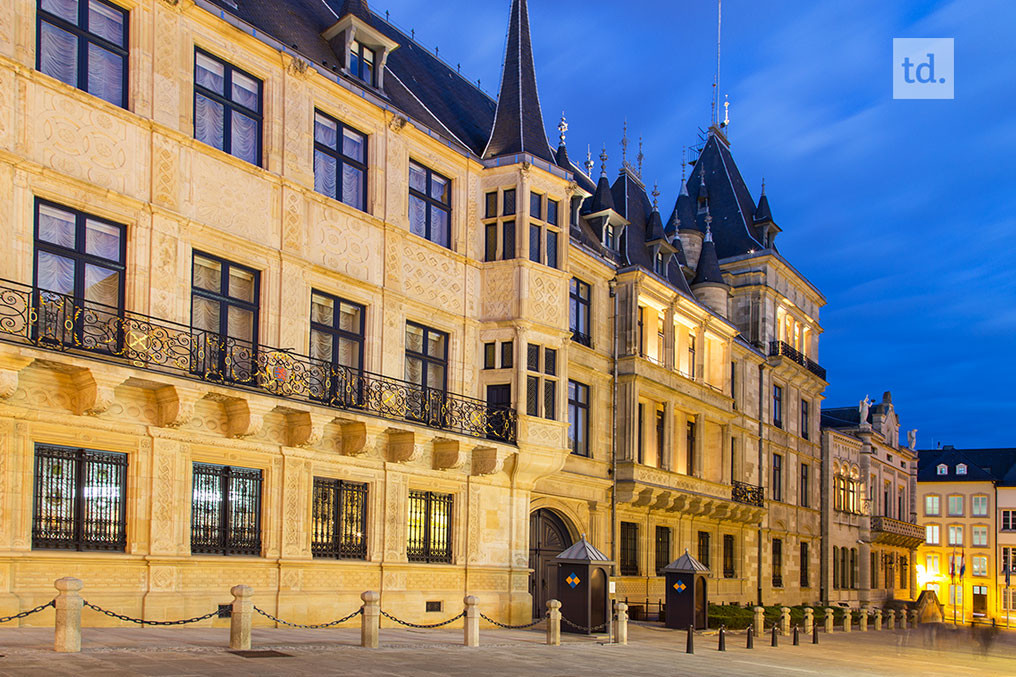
805, 582
979, 536
805, 487
853, 568
661, 422
84, 43
978, 566
1008, 520
543, 240
662, 549
227, 108
533, 381
836, 568
499, 233
224, 315
629, 564
339, 530
79, 499
931, 564
690, 447
362, 64
641, 424
777, 477
979, 506
955, 506
703, 547
578, 418
430, 527
778, 406
777, 563
430, 205
805, 420
579, 307
932, 505
426, 368
340, 161
336, 340
79, 260
691, 354
1008, 559
728, 556
955, 535
226, 510
931, 534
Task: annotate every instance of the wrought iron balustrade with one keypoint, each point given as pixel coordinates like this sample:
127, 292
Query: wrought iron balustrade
749, 494
781, 349
63, 323
584, 339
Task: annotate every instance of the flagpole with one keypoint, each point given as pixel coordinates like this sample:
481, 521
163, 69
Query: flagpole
952, 583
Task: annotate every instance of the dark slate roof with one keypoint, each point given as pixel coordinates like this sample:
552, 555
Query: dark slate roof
762, 212
730, 202
686, 564
357, 8
518, 123
708, 270
983, 465
654, 228
683, 216
842, 417
583, 551
602, 198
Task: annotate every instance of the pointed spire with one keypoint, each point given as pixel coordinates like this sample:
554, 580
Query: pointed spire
562, 127
762, 212
655, 233
603, 161
641, 158
518, 121
562, 148
602, 199
624, 145
708, 270
589, 161
656, 197
357, 8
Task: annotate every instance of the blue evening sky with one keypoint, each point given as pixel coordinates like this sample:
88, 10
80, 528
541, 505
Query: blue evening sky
900, 212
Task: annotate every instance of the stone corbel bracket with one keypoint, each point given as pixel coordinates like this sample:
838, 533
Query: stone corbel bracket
400, 446
488, 460
306, 429
176, 405
353, 441
449, 454
10, 369
94, 390
246, 418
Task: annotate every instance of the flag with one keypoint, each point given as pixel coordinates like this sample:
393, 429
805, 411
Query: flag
963, 564
1008, 571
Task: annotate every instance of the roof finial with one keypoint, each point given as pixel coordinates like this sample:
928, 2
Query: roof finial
716, 79
684, 163
709, 225
641, 157
589, 161
562, 127
603, 161
726, 110
763, 186
624, 145
656, 196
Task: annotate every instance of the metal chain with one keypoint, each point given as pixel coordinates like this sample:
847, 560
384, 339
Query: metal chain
423, 627
319, 626
25, 614
514, 627
585, 628
139, 621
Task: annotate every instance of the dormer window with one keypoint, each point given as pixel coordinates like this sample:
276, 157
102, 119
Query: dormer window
361, 62
660, 263
942, 469
610, 235
961, 469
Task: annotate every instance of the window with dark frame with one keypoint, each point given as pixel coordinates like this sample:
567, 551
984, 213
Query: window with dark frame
536, 206
805, 420
580, 304
640, 448
336, 344
499, 233
80, 499
552, 210
339, 528
629, 565
804, 488
362, 63
703, 548
728, 556
690, 448
224, 317
578, 418
535, 246
84, 44
662, 549
489, 355
778, 406
79, 261
533, 382
430, 205
426, 368
227, 107
661, 423
430, 527
508, 202
777, 563
507, 354
733, 383
777, 477
340, 161
226, 510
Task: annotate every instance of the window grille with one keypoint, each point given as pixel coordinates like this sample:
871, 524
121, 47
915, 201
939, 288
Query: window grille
226, 510
662, 549
430, 527
340, 519
728, 556
629, 564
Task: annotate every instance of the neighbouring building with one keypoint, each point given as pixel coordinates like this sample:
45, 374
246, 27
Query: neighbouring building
967, 505
289, 302
869, 525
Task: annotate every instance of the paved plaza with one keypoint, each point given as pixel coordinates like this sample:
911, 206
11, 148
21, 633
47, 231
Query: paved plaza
651, 651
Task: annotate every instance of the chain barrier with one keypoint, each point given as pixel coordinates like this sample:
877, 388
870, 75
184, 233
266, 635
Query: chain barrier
586, 628
25, 614
318, 626
422, 627
139, 621
514, 627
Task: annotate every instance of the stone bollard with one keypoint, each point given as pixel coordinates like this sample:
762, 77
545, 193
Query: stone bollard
902, 617
913, 618
760, 621
878, 619
848, 620
621, 623
862, 621
68, 603
370, 620
830, 617
890, 620
784, 620
240, 617
809, 619
472, 622
554, 623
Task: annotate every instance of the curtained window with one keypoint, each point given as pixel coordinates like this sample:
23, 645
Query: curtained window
227, 108
340, 161
430, 205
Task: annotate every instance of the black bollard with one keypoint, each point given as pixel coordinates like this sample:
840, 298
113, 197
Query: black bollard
797, 639
814, 633
751, 637
691, 640
723, 640
776, 642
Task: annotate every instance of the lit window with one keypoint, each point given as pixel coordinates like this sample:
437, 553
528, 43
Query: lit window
961, 469
955, 506
942, 469
955, 535
979, 535
932, 504
931, 565
340, 519
931, 534
361, 62
979, 565
226, 510
979, 506
430, 527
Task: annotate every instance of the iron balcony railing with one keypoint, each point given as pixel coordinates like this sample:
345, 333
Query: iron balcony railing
781, 349
749, 494
584, 339
63, 323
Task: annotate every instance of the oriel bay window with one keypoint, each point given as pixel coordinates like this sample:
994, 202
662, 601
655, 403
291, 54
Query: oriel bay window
79, 499
430, 527
79, 261
543, 240
430, 205
84, 44
579, 299
226, 510
336, 345
340, 161
426, 371
535, 406
224, 318
339, 530
227, 108
499, 232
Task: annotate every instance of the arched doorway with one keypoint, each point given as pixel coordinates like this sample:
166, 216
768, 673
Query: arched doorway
548, 537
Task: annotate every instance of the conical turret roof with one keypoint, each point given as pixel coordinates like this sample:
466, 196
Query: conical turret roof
708, 271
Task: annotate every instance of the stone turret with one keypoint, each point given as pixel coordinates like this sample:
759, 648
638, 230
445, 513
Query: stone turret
708, 285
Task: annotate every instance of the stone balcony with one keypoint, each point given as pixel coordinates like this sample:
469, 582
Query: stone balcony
896, 532
658, 489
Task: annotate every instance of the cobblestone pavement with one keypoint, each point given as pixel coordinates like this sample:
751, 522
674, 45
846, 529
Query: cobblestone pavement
111, 652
